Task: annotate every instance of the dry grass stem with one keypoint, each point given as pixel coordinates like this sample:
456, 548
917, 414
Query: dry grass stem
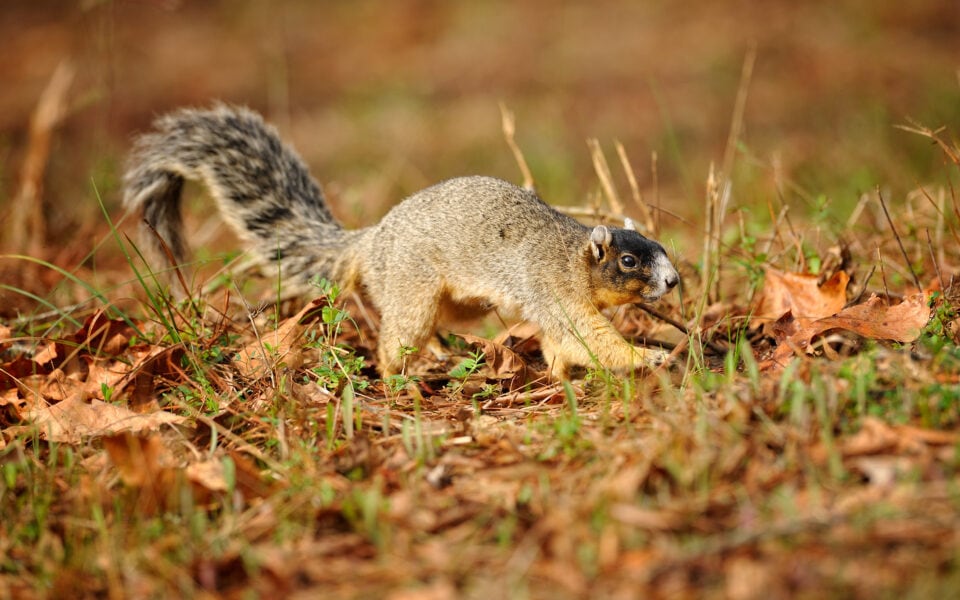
27, 229
508, 124
645, 214
602, 169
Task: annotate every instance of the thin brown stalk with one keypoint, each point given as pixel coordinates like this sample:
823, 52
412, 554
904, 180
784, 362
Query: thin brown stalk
635, 188
602, 169
863, 289
680, 327
739, 107
168, 253
711, 236
655, 180
883, 273
27, 229
903, 250
936, 266
952, 152
508, 123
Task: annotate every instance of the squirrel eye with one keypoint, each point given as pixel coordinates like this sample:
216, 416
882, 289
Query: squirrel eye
628, 261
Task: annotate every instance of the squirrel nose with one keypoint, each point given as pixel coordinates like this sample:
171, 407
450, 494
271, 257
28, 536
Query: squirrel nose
671, 280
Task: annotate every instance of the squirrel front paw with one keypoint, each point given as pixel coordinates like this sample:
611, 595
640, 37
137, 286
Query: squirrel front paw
651, 357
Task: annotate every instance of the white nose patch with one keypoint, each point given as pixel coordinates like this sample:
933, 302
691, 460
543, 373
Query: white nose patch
664, 277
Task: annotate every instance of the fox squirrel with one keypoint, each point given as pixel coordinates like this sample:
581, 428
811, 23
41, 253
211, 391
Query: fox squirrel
458, 248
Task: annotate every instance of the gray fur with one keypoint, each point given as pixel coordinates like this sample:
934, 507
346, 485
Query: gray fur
261, 186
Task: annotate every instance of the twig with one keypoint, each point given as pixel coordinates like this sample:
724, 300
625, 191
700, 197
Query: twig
656, 192
578, 211
936, 267
903, 250
680, 326
635, 189
739, 107
952, 152
27, 228
508, 122
883, 272
603, 174
711, 236
863, 289
172, 259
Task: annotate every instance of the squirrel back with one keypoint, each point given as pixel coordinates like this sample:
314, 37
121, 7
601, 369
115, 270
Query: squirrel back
458, 248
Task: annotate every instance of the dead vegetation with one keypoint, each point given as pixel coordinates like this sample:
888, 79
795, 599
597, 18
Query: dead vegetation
804, 441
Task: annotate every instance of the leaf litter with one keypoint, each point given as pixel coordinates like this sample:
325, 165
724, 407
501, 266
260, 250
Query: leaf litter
825, 465
593, 498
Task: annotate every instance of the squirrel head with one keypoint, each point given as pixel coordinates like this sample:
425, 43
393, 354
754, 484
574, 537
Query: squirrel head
626, 267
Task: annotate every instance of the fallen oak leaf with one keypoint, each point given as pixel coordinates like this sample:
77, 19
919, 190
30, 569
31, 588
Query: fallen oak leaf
73, 419
138, 459
501, 362
800, 294
219, 474
271, 348
101, 335
144, 466
872, 319
19, 368
140, 383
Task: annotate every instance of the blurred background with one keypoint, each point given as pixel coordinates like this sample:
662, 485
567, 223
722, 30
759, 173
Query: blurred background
383, 98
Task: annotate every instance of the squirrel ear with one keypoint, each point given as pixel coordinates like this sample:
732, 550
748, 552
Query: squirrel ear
628, 224
600, 240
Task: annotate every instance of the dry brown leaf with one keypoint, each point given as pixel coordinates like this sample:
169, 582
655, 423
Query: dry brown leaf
209, 474
748, 579
645, 518
73, 419
502, 362
138, 459
143, 466
103, 374
49, 354
102, 335
11, 407
140, 383
801, 295
520, 337
14, 372
873, 319
279, 346
874, 437
249, 479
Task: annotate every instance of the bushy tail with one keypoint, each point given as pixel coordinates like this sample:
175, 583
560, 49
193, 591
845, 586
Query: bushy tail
261, 186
